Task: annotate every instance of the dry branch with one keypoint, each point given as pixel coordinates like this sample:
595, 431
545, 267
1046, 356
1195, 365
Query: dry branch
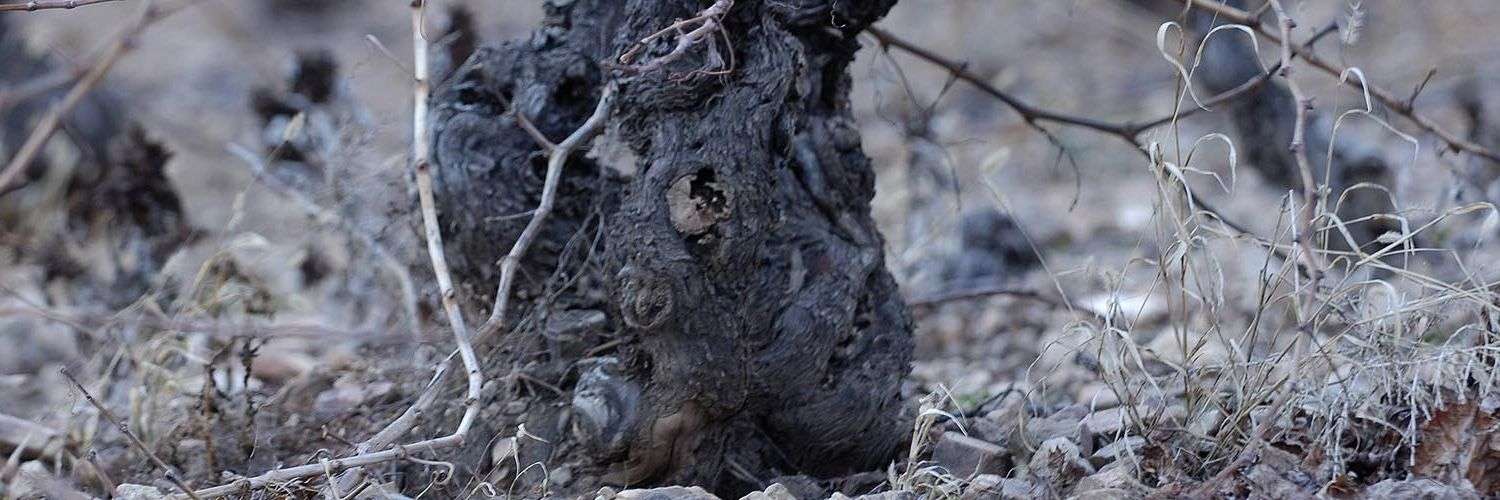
420, 153
977, 293
120, 424
557, 158
49, 4
1128, 132
709, 23
1298, 148
49, 122
1387, 98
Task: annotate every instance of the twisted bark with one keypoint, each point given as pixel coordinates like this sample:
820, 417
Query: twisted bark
751, 329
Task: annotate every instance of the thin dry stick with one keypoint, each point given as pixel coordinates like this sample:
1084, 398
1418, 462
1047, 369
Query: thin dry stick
120, 424
50, 4
985, 292
421, 154
49, 122
393, 431
420, 151
1128, 132
1298, 148
1310, 187
1397, 104
708, 24
558, 157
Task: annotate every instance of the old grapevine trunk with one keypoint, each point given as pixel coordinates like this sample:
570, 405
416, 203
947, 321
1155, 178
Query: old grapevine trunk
722, 314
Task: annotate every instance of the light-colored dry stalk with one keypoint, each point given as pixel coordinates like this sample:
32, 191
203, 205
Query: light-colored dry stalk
35, 5
558, 157
50, 121
120, 424
420, 158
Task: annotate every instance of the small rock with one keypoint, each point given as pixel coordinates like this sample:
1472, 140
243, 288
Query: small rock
1425, 489
965, 456
562, 476
775, 492
988, 430
347, 395
983, 487
1059, 464
889, 495
1123, 448
667, 493
1278, 474
1018, 489
29, 479
568, 332
1063, 423
138, 492
994, 487
1116, 480
503, 450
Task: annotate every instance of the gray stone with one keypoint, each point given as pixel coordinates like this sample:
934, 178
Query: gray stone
1115, 481
667, 493
966, 457
983, 487
1420, 489
138, 492
775, 492
1057, 463
1124, 448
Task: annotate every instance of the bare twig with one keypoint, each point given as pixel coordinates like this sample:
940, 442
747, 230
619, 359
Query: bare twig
420, 152
120, 424
49, 122
421, 155
709, 23
984, 292
1127, 132
49, 4
394, 430
1389, 99
1031, 114
1298, 148
558, 157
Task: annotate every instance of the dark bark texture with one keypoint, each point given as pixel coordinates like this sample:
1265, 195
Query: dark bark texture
721, 315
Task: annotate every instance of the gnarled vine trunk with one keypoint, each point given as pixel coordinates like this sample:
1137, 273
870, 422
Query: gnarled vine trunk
721, 315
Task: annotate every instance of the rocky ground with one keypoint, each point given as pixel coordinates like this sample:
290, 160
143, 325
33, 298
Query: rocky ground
1080, 331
